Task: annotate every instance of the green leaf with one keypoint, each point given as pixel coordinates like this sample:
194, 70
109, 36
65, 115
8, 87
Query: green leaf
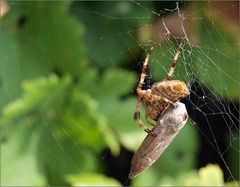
60, 157
73, 130
119, 112
211, 175
19, 163
91, 179
39, 37
85, 125
37, 94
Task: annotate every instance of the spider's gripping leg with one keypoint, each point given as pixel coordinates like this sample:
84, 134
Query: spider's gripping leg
137, 117
147, 119
158, 97
170, 103
174, 62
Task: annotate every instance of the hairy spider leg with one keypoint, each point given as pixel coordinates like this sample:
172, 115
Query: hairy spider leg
143, 73
148, 121
174, 62
137, 117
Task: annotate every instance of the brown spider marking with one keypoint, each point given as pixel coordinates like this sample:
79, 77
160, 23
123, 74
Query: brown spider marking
162, 94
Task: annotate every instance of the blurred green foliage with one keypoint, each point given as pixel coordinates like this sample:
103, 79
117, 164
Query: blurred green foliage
211, 175
61, 129
59, 111
223, 66
114, 23
88, 179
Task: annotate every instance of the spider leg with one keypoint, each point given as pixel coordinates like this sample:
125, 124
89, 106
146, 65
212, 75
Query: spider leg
148, 121
137, 117
143, 73
158, 97
165, 109
174, 62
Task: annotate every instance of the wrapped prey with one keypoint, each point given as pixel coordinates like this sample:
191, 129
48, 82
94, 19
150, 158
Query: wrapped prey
167, 127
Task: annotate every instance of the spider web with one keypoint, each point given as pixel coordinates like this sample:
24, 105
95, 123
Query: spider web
207, 62
212, 113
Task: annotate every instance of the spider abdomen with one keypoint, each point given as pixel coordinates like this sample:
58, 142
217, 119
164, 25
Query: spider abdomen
173, 90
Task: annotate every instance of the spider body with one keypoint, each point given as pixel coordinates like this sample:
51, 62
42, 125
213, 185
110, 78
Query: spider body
162, 94
172, 90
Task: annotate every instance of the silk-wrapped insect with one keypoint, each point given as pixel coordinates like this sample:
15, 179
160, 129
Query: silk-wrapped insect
168, 126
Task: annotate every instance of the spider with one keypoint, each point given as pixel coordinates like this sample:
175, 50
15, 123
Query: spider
161, 95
